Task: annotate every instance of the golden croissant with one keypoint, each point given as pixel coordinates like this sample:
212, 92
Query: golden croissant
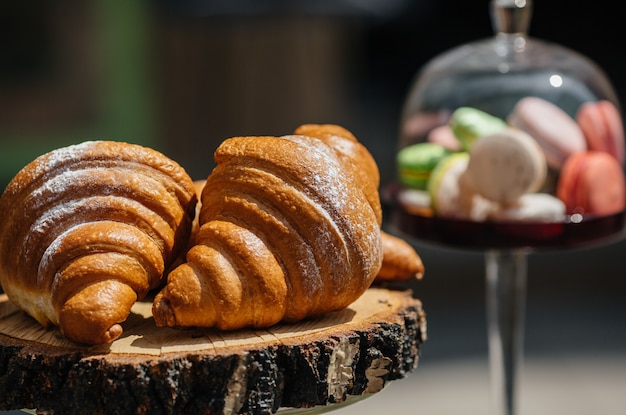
89, 229
289, 228
285, 233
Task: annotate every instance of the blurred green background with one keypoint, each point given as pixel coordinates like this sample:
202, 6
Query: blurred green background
72, 71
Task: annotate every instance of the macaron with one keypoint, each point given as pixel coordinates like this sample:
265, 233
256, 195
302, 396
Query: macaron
449, 193
532, 207
592, 182
506, 165
601, 124
416, 162
416, 202
468, 124
557, 132
444, 136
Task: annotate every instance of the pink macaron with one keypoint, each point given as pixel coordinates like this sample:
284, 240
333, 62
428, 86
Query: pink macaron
592, 182
557, 133
444, 136
601, 124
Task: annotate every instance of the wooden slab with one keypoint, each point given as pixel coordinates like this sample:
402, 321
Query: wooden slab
153, 370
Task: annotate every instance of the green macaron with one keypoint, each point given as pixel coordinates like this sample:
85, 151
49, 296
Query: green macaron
468, 124
443, 186
416, 162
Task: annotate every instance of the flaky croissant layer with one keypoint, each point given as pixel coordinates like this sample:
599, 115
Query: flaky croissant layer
87, 230
287, 231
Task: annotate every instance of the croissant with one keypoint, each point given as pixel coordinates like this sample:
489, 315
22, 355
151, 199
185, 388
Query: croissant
285, 233
400, 261
89, 229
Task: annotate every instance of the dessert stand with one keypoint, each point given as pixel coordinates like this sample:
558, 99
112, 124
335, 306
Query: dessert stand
313, 366
492, 75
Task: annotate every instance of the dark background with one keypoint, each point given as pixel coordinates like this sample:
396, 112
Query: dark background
181, 76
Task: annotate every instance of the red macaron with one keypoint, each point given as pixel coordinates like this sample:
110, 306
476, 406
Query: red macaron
602, 127
592, 182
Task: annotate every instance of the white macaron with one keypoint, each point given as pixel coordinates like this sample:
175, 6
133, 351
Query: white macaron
506, 165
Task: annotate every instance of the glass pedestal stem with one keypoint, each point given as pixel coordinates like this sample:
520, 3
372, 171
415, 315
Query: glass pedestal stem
506, 298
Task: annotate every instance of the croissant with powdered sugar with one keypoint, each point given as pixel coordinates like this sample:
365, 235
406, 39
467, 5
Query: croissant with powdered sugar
289, 228
89, 229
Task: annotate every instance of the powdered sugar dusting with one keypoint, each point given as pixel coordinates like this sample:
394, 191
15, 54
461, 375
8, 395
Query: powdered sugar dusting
332, 184
58, 158
56, 186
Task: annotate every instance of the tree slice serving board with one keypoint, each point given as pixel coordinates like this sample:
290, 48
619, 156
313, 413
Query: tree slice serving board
155, 370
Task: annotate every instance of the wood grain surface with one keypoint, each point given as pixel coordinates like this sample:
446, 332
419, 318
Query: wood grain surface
154, 370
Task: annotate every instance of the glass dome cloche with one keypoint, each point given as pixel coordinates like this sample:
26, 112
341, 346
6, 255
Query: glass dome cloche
514, 86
